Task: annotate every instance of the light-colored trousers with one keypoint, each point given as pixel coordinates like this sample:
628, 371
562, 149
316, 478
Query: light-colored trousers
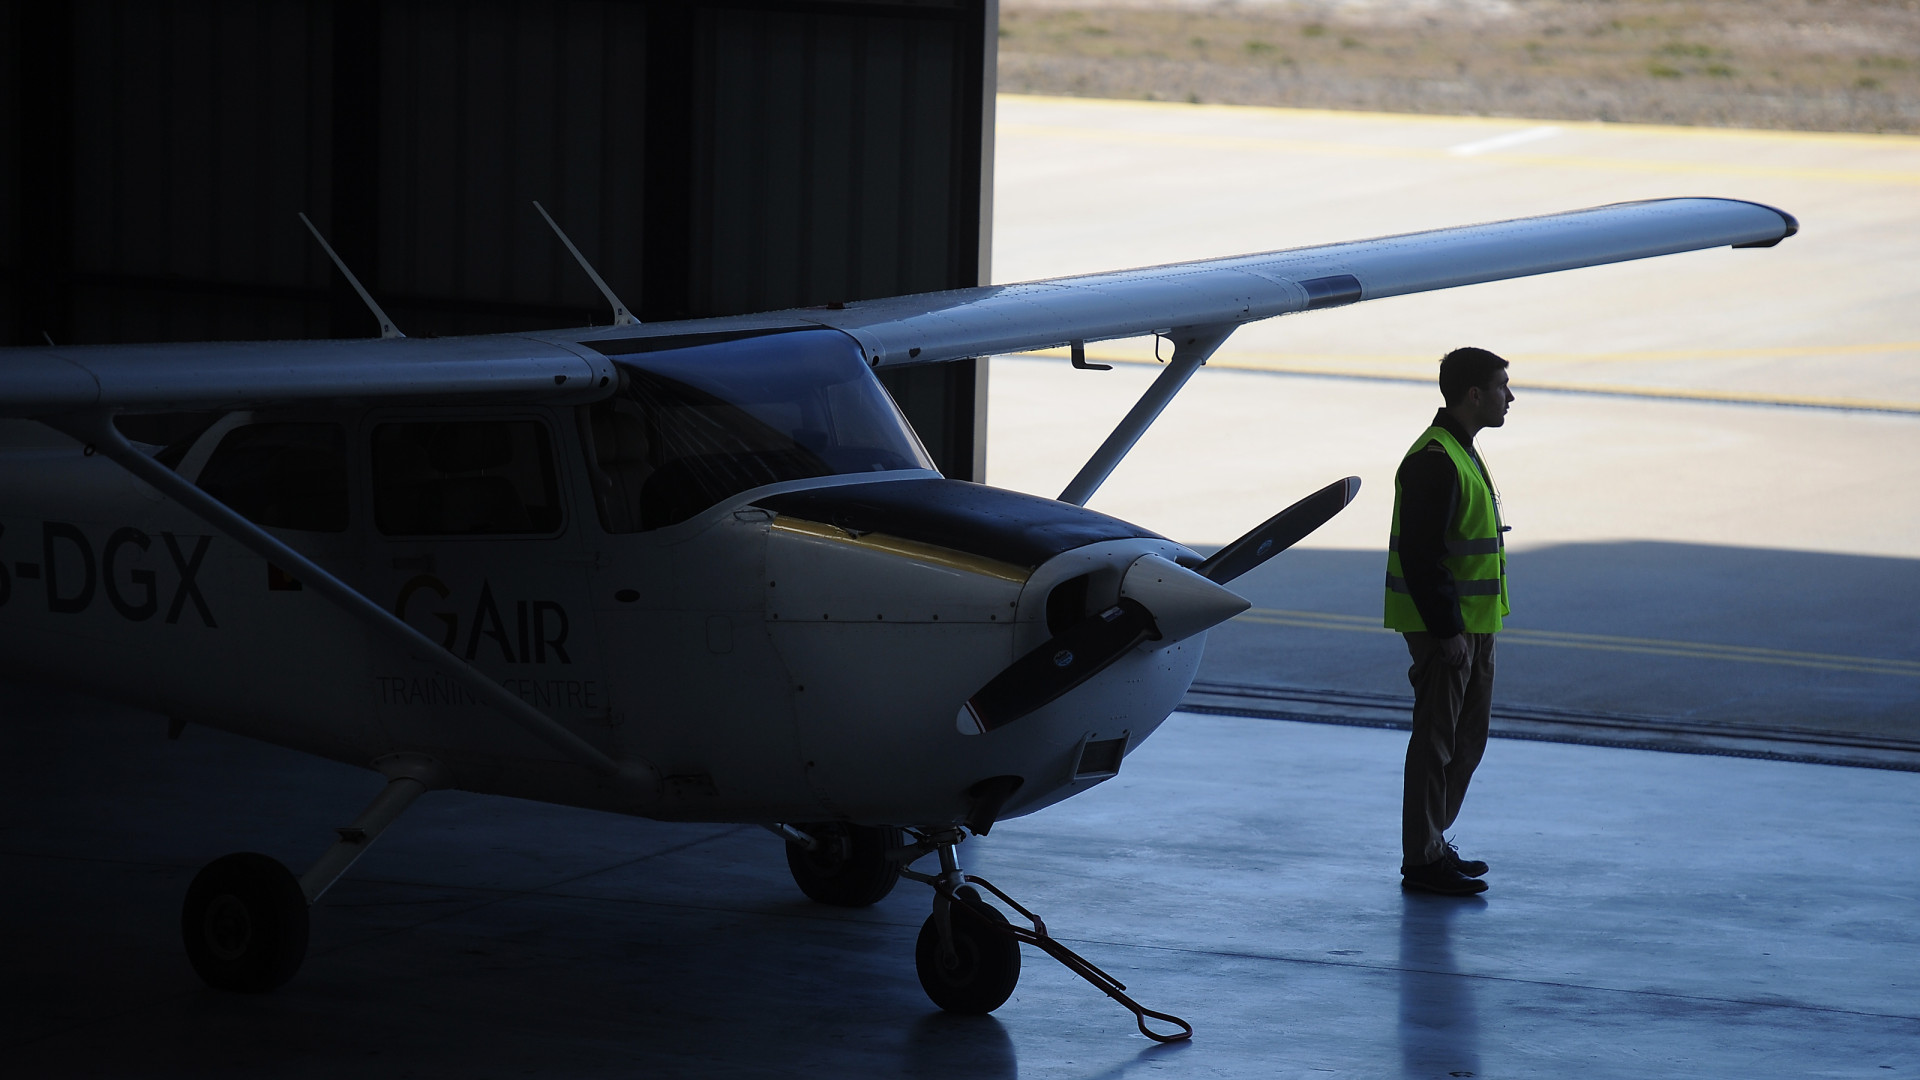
1451, 710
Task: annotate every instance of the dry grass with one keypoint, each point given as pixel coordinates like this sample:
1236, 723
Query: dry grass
1829, 65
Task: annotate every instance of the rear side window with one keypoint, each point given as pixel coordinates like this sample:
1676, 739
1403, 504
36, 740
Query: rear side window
283, 476
464, 478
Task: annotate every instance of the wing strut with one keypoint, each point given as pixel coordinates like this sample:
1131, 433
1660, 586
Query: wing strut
96, 431
1191, 347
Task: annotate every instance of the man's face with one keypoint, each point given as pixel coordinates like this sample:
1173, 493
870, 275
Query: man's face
1489, 402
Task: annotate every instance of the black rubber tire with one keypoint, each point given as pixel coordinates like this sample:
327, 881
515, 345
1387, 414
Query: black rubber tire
245, 923
851, 869
988, 966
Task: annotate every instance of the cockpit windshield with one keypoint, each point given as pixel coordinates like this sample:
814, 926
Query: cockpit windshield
692, 426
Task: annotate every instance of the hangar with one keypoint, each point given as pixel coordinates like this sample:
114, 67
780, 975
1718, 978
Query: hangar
498, 936
709, 157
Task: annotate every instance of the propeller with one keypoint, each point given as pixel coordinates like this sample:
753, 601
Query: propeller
1279, 532
1063, 662
1159, 601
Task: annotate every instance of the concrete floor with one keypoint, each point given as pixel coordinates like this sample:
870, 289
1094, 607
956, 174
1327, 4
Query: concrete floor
1651, 914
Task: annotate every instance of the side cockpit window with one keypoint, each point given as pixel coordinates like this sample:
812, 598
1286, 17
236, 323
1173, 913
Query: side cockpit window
282, 475
666, 451
464, 478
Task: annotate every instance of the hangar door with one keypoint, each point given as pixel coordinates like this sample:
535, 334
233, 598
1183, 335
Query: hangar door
710, 158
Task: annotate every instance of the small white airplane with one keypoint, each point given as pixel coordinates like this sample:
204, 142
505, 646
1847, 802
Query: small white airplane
692, 571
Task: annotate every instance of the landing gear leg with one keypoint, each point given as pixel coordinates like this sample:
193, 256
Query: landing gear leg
967, 957
245, 918
968, 954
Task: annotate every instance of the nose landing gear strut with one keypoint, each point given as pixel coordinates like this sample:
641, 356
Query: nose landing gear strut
968, 953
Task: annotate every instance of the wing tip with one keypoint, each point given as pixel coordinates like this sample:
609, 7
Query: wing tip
1788, 224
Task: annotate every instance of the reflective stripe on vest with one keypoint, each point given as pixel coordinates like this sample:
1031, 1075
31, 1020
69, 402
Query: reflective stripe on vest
1475, 553
1487, 587
1460, 547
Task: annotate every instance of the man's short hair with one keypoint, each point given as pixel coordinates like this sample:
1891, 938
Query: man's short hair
1463, 369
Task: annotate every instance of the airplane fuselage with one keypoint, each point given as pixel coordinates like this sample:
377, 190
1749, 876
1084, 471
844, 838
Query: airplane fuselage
793, 652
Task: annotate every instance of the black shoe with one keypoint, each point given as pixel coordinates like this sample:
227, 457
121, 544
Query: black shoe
1468, 867
1440, 876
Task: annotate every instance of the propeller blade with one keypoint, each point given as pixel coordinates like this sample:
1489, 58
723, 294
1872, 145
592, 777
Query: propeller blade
1279, 532
1063, 662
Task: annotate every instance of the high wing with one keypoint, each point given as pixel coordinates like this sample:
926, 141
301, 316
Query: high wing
575, 366
1247, 288
55, 380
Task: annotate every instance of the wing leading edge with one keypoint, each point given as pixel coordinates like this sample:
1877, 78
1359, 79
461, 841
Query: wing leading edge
933, 327
573, 366
37, 382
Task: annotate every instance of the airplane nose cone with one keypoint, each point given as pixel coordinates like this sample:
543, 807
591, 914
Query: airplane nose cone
1182, 602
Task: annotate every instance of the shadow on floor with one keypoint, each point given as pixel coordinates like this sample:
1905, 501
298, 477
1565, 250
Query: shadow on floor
1733, 598
1439, 1016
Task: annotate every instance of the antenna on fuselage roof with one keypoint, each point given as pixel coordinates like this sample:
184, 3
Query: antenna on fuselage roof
387, 329
621, 316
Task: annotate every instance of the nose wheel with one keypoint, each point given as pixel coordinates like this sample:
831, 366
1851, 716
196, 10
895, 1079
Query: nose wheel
973, 967
968, 953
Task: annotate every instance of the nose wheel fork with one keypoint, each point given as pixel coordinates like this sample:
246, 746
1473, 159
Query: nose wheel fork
968, 953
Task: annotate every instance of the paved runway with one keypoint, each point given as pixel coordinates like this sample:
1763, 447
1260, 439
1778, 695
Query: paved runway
1672, 561
1721, 566
1832, 314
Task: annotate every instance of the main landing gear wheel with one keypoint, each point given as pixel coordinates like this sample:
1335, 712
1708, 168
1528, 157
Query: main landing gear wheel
984, 966
245, 923
850, 867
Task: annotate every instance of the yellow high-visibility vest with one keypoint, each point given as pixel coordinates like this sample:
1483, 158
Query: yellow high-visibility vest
1476, 553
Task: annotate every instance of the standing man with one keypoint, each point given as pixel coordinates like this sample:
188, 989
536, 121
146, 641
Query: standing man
1446, 592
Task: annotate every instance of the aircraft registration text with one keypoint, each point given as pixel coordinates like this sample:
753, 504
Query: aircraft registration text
75, 577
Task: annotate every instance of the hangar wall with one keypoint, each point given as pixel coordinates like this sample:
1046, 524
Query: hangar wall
710, 156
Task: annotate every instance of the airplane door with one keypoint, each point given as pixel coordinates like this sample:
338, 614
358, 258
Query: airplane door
473, 542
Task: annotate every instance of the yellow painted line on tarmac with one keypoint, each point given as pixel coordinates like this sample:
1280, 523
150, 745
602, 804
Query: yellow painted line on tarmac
1645, 355
1165, 139
1687, 650
1619, 357
1246, 362
1736, 397
1704, 168
1805, 138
